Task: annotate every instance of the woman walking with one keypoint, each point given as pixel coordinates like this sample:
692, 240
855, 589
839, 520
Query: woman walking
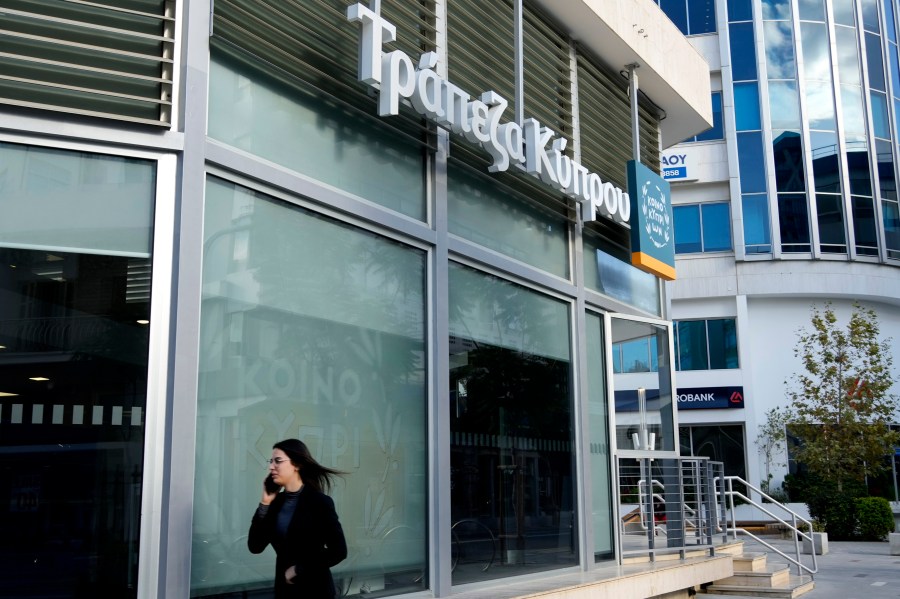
298, 519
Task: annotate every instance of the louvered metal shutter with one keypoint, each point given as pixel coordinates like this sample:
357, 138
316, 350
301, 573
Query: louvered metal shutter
481, 48
548, 75
604, 111
103, 58
311, 43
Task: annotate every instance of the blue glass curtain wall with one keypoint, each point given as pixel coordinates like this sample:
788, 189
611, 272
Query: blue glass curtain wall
848, 114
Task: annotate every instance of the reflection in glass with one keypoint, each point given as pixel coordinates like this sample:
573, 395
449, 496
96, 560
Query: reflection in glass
511, 454
483, 211
722, 333
691, 345
858, 169
825, 161
880, 122
812, 10
895, 67
875, 61
743, 52
717, 131
598, 431
755, 210
746, 106
687, 229
74, 338
719, 443
313, 329
779, 39
816, 58
820, 106
701, 16
854, 117
776, 10
891, 216
302, 130
751, 162
889, 21
870, 15
788, 156
716, 227
655, 384
843, 12
739, 10
847, 54
793, 219
784, 105
864, 226
830, 217
606, 271
887, 183
677, 11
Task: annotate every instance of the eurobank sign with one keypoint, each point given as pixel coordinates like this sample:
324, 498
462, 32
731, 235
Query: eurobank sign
531, 146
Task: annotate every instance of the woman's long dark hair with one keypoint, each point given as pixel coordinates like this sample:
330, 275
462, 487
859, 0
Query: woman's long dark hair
314, 474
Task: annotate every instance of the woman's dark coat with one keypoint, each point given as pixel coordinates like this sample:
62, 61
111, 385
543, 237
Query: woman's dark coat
313, 544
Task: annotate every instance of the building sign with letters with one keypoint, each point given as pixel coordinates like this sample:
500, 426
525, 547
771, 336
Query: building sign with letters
652, 230
674, 167
710, 397
530, 146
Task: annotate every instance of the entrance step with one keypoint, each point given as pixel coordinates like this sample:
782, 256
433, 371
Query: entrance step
795, 586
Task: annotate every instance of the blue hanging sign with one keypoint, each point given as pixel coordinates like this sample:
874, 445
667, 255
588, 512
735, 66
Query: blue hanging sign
652, 225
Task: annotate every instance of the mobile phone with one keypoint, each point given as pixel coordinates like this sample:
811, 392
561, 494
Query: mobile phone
271, 486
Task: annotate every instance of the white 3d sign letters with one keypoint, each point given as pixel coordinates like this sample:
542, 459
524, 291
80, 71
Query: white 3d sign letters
530, 146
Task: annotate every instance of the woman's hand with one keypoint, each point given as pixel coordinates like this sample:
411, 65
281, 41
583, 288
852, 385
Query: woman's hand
268, 497
290, 574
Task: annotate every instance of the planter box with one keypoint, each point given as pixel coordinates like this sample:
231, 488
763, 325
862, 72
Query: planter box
820, 540
894, 539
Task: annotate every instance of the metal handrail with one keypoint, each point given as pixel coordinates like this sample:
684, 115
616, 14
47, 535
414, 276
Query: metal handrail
730, 494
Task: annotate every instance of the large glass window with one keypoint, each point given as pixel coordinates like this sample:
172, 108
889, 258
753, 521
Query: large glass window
717, 131
793, 218
706, 344
743, 52
511, 454
693, 17
720, 443
751, 162
311, 329
485, 212
75, 240
607, 273
302, 130
702, 228
757, 236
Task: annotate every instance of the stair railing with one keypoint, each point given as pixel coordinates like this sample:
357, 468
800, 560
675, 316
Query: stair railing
799, 527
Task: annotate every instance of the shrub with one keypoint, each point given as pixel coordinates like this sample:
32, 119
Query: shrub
835, 508
875, 518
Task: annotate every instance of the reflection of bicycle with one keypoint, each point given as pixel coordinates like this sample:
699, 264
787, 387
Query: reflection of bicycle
473, 542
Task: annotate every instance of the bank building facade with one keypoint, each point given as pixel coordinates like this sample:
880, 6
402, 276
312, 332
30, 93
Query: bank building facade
400, 231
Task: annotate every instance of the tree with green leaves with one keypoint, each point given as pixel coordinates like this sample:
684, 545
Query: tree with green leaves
841, 407
770, 442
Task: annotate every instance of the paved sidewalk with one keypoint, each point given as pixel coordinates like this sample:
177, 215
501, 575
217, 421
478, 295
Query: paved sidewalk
850, 569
